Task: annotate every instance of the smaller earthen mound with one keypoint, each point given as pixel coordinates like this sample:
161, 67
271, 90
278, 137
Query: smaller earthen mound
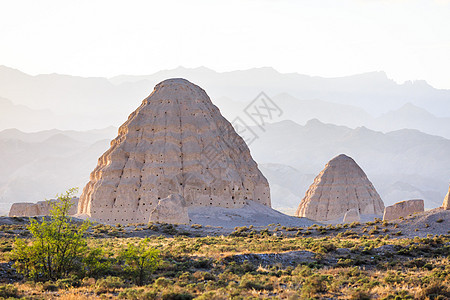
342, 185
41, 208
403, 209
446, 204
171, 209
352, 216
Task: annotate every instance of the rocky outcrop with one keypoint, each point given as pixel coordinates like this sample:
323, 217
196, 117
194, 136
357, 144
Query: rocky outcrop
342, 185
403, 209
171, 210
446, 203
352, 216
176, 142
41, 208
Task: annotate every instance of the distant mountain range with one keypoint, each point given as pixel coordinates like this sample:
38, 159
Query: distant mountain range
402, 164
370, 99
398, 133
36, 166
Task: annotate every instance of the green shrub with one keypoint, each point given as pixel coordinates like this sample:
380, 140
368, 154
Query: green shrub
137, 294
95, 264
360, 295
245, 267
253, 285
50, 286
109, 284
399, 295
139, 260
434, 291
314, 284
67, 283
177, 296
57, 245
162, 282
9, 291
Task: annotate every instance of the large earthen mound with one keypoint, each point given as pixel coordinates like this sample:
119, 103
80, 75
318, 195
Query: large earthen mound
341, 186
176, 142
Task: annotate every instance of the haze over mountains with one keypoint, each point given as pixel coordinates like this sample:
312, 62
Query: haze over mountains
398, 133
370, 99
402, 164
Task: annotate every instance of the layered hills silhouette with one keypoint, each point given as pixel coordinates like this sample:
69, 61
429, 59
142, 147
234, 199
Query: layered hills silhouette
370, 99
401, 164
398, 133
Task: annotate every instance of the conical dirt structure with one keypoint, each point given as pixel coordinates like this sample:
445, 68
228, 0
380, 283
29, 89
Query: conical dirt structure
340, 187
175, 143
446, 204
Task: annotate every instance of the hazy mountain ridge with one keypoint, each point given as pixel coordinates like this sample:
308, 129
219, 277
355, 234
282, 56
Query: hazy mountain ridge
402, 164
38, 165
21, 116
405, 156
412, 117
89, 136
94, 102
372, 91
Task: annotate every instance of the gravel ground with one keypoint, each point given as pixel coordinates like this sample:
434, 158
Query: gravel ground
435, 221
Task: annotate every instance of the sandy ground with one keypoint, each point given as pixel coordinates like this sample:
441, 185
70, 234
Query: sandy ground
216, 221
252, 214
435, 221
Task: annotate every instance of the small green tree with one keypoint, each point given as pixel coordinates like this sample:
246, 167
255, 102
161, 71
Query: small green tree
57, 244
139, 260
95, 263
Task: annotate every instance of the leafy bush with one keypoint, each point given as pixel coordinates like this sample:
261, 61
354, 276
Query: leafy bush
9, 291
399, 295
177, 296
253, 285
109, 284
243, 268
50, 286
57, 245
137, 294
360, 295
139, 260
434, 291
95, 264
162, 282
314, 284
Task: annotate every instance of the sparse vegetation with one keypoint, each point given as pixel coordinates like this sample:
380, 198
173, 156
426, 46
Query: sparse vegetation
322, 262
57, 245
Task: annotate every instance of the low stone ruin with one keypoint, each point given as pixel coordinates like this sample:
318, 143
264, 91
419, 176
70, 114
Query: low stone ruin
446, 203
41, 208
352, 216
171, 210
403, 209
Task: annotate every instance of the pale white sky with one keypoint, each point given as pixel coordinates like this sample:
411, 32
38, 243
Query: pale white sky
409, 39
